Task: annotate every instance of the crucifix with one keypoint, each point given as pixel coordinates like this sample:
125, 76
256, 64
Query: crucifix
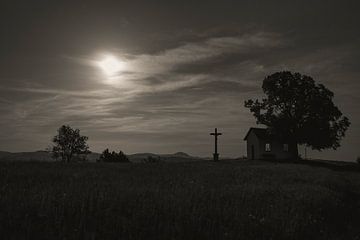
216, 154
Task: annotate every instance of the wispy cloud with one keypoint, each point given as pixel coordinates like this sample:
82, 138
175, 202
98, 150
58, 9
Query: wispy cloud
149, 96
146, 66
145, 73
175, 95
56, 91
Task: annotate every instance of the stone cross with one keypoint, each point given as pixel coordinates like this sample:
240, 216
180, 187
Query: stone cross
216, 154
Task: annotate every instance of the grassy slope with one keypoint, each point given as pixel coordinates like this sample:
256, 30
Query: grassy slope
199, 200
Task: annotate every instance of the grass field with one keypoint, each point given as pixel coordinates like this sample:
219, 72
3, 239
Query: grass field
198, 200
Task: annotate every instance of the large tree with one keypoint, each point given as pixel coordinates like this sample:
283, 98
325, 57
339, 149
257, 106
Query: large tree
69, 143
299, 111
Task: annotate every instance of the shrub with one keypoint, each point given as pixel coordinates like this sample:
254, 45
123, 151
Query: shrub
108, 156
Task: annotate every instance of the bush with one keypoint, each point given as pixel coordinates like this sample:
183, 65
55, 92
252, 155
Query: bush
358, 160
108, 156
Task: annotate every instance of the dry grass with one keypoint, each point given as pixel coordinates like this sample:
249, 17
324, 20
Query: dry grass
199, 200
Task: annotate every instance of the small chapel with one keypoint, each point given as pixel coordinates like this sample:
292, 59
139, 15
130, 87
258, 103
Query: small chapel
262, 145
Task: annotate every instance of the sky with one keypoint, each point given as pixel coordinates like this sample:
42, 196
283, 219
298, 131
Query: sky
185, 67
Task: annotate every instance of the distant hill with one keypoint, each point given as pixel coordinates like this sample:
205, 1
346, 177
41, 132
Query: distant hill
176, 157
44, 156
181, 154
26, 156
41, 156
4, 154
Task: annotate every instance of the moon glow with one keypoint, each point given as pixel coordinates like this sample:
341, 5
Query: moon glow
110, 65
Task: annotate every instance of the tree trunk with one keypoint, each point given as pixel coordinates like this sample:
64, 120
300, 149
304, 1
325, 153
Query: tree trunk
68, 158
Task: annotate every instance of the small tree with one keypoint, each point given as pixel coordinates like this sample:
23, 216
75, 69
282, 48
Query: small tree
299, 111
69, 143
108, 156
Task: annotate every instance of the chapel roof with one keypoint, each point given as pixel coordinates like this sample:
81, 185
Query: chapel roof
261, 133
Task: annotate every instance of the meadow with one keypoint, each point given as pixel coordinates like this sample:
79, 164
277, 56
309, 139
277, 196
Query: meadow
195, 200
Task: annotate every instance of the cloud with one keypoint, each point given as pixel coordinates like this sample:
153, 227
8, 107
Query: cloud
171, 98
163, 97
190, 53
159, 72
54, 91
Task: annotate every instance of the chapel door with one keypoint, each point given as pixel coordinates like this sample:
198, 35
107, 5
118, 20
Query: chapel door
252, 152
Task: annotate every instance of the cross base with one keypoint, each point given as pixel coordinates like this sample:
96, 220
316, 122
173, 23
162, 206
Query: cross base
216, 157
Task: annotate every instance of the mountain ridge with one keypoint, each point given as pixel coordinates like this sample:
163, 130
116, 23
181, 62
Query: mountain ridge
44, 156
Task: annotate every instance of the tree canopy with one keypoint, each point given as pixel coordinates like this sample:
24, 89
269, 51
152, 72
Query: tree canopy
299, 110
69, 143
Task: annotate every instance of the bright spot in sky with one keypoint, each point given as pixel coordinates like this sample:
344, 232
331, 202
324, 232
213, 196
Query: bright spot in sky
111, 65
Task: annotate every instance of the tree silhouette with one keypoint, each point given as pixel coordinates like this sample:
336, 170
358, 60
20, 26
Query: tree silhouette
69, 143
108, 156
299, 111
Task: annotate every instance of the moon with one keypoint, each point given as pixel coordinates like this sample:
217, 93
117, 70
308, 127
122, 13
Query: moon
111, 65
